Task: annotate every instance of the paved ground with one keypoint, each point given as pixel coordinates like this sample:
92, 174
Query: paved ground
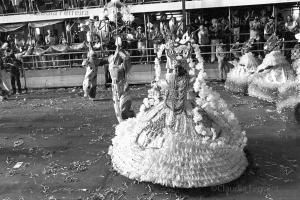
62, 141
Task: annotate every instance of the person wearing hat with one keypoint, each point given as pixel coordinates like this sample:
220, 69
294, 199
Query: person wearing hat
13, 65
141, 38
269, 28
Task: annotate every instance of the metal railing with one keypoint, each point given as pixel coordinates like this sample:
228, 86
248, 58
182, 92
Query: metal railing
145, 56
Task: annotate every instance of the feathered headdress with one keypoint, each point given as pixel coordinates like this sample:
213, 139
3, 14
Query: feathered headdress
236, 50
179, 53
272, 44
248, 45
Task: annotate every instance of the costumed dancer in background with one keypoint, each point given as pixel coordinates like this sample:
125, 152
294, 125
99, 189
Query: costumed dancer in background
119, 67
184, 135
239, 77
274, 71
289, 93
13, 65
4, 90
90, 79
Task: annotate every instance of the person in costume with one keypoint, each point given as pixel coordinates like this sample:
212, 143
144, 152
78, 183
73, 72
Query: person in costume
13, 65
289, 93
119, 67
4, 90
91, 63
239, 77
274, 72
184, 136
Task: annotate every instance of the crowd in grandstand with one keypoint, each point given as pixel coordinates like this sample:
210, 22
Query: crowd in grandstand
205, 30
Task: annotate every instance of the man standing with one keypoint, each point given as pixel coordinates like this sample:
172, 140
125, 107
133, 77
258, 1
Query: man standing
215, 30
14, 67
269, 28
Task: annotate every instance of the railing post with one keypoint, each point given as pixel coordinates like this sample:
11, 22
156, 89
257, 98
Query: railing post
145, 24
183, 16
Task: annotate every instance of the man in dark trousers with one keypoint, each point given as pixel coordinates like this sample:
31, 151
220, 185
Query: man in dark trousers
13, 65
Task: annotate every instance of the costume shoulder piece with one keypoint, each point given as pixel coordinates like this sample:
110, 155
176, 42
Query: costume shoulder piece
272, 44
295, 52
248, 46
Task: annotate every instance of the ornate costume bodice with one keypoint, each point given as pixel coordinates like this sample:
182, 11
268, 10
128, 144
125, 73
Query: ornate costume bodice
177, 92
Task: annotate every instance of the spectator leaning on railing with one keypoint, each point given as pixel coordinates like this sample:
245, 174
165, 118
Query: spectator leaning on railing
203, 39
215, 36
269, 28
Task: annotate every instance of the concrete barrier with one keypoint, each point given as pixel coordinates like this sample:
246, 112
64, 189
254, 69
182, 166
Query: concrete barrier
73, 77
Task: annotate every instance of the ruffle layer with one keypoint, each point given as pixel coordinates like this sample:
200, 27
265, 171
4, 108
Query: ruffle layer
290, 102
264, 91
267, 85
182, 162
239, 77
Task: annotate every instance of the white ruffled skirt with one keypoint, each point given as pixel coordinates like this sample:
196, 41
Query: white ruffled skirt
239, 77
163, 148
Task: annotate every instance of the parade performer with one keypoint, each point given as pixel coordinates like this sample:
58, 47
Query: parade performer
13, 65
289, 93
4, 90
184, 135
274, 72
119, 67
239, 77
90, 79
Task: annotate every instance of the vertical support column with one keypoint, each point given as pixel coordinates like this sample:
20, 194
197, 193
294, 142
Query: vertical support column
145, 25
230, 34
183, 16
275, 16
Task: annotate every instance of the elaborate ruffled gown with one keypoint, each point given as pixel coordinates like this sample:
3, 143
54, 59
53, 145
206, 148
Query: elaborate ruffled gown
274, 72
290, 92
175, 142
4, 91
239, 77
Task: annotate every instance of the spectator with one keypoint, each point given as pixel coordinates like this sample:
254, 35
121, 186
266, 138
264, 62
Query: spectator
97, 44
225, 30
30, 40
269, 28
215, 31
221, 55
236, 27
280, 26
157, 38
72, 3
245, 27
15, 4
173, 25
291, 27
32, 6
3, 6
166, 33
62, 39
203, 39
255, 27
10, 42
141, 38
163, 22
50, 39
